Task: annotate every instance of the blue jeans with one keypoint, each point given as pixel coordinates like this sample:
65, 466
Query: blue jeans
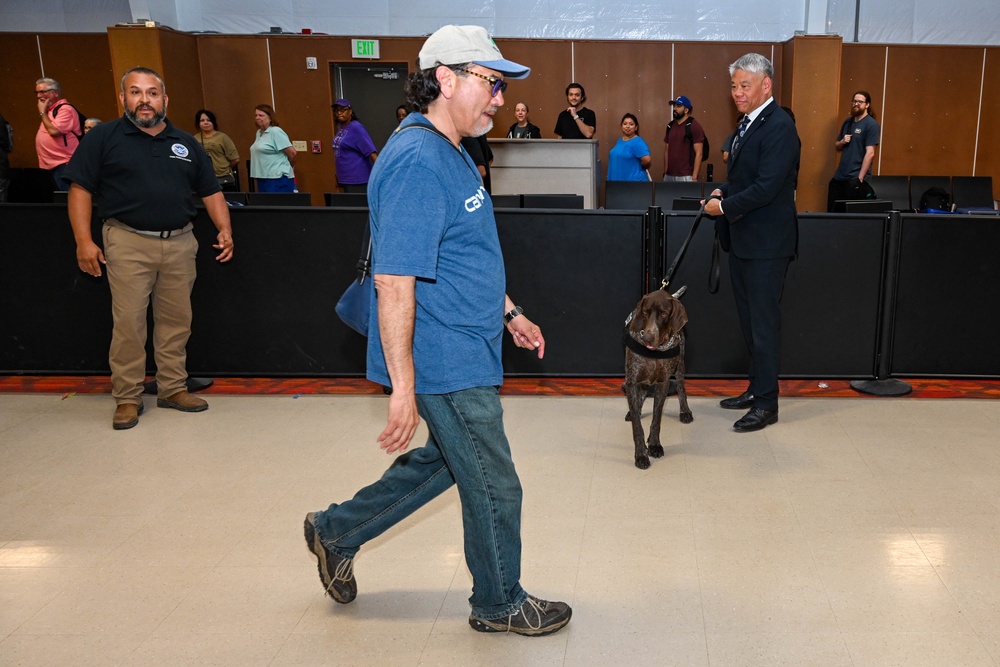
467, 446
282, 184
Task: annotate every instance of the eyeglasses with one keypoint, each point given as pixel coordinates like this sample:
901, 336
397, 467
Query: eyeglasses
499, 85
47, 90
857, 102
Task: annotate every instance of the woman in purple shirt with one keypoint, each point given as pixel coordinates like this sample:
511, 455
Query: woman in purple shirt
353, 150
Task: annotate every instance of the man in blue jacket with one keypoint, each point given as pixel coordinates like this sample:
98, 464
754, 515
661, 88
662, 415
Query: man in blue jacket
758, 225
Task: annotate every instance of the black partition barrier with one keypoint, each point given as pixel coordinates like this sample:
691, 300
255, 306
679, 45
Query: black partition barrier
829, 307
53, 317
270, 311
946, 317
577, 274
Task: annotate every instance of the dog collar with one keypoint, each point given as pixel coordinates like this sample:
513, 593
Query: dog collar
644, 351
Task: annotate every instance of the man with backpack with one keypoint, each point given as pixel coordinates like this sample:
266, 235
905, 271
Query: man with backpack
686, 144
59, 132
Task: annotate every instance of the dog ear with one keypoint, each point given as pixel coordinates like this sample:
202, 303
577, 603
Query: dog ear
678, 316
638, 322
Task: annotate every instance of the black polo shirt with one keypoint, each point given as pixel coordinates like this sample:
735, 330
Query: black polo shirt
567, 128
144, 181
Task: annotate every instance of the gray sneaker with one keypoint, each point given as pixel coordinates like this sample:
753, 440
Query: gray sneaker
336, 572
535, 618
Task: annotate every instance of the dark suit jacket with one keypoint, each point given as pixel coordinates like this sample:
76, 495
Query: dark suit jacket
759, 193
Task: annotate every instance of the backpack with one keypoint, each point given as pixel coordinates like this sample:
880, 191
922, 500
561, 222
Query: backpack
83, 119
935, 198
7, 137
690, 139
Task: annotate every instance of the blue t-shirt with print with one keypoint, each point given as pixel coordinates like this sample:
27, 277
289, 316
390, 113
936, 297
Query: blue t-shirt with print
623, 160
431, 218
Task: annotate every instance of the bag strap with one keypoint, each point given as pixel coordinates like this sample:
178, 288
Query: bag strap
364, 264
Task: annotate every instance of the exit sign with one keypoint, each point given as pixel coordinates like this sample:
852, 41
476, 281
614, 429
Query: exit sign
365, 48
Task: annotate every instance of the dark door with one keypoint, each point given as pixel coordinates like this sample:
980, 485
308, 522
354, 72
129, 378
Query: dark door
375, 90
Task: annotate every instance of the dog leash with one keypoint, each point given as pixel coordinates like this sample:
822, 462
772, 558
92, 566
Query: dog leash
714, 271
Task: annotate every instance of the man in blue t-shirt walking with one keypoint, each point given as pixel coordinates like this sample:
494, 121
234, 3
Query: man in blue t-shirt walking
435, 334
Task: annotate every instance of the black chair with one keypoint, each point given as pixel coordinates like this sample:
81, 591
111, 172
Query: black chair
346, 199
895, 189
552, 201
973, 192
686, 204
279, 199
665, 192
921, 184
868, 206
235, 198
60, 197
628, 195
506, 201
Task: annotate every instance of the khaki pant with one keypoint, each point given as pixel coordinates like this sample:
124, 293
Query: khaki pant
138, 267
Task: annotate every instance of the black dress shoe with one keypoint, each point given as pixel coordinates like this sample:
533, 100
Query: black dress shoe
755, 420
741, 402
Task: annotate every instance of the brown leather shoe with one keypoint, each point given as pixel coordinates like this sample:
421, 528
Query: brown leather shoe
182, 401
126, 416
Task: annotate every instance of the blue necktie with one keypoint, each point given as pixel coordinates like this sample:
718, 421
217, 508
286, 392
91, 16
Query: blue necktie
739, 134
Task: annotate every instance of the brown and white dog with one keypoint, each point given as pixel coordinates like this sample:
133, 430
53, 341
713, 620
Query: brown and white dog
654, 351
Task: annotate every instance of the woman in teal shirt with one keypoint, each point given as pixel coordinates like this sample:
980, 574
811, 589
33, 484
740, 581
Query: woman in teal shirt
272, 158
629, 159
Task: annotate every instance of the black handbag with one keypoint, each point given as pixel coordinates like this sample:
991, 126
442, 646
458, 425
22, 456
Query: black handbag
354, 306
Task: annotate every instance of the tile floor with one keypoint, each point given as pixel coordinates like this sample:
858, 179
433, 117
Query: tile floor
855, 532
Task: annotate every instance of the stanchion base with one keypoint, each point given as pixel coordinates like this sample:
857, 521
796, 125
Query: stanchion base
887, 387
193, 385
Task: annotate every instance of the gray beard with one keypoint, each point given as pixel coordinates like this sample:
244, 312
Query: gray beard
485, 130
152, 122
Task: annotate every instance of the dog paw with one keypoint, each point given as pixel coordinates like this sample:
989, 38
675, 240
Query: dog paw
656, 451
642, 462
687, 417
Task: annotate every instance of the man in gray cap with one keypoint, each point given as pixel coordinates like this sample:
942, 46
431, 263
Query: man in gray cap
435, 333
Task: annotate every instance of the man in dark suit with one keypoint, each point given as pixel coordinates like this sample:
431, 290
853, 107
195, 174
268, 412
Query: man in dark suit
757, 223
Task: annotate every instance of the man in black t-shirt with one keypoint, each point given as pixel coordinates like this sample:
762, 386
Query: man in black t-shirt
577, 121
140, 171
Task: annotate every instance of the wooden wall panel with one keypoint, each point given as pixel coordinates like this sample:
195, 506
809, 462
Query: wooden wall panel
19, 69
544, 89
235, 79
182, 74
862, 68
80, 62
814, 92
134, 47
701, 72
929, 118
929, 113
987, 155
84, 59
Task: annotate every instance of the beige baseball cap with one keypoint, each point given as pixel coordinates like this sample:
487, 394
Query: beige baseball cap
459, 44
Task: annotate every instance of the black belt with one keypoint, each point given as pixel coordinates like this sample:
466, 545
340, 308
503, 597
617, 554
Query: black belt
166, 234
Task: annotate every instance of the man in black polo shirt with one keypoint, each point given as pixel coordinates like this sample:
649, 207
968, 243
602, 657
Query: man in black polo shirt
577, 121
142, 171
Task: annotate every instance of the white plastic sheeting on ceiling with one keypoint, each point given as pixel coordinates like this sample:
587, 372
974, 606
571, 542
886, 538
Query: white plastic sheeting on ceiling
881, 21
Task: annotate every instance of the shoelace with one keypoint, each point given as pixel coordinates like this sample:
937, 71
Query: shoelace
344, 572
537, 605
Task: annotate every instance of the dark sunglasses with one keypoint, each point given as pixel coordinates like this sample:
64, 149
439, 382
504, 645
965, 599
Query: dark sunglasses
499, 85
